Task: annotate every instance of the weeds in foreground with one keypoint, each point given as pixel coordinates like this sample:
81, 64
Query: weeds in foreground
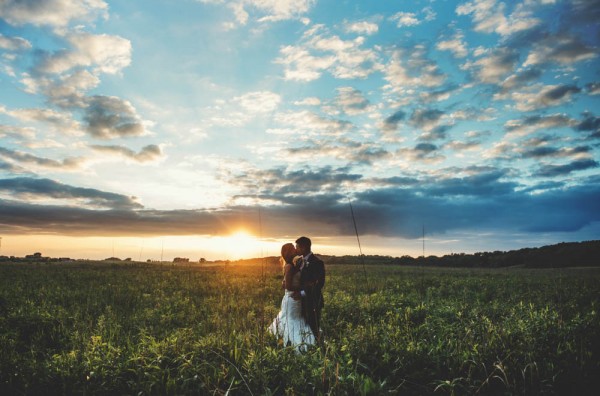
146, 329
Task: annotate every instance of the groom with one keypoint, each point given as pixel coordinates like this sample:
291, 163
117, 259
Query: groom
312, 278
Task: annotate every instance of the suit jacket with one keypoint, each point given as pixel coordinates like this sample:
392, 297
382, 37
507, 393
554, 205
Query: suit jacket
313, 280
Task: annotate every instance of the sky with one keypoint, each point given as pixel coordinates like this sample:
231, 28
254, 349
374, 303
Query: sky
222, 129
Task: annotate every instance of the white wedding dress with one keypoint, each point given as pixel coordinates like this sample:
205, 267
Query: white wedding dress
290, 324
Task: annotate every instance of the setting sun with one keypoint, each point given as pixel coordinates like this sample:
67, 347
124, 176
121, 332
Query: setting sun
240, 244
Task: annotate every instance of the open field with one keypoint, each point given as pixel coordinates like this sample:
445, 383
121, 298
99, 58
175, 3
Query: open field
101, 328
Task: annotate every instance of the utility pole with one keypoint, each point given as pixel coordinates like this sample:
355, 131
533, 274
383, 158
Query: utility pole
162, 250
423, 240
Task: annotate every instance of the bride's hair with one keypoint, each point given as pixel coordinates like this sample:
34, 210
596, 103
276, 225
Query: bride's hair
288, 251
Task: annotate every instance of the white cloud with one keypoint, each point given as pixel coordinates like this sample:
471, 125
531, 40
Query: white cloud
108, 117
351, 101
456, 45
489, 16
495, 66
502, 150
593, 88
264, 10
430, 14
67, 164
66, 91
311, 101
410, 69
517, 81
278, 10
300, 65
304, 124
405, 19
241, 16
59, 121
562, 49
105, 53
540, 96
13, 43
362, 27
528, 125
258, 102
16, 133
148, 153
53, 13
344, 59
242, 109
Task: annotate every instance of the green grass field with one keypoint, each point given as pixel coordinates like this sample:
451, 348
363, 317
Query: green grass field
99, 328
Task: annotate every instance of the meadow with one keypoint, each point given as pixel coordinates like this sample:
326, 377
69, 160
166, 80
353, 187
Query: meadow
150, 329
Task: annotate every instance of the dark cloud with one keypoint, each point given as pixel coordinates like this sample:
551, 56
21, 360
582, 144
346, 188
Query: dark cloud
109, 117
556, 120
561, 49
483, 184
425, 152
368, 155
426, 148
546, 185
309, 203
10, 168
493, 67
593, 88
539, 141
590, 123
281, 185
461, 146
539, 152
422, 118
19, 156
561, 170
351, 101
582, 11
148, 153
27, 188
437, 133
520, 80
559, 92
395, 181
391, 123
440, 94
396, 211
549, 151
548, 96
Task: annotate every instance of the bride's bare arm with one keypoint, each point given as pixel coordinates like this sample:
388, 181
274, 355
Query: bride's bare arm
289, 273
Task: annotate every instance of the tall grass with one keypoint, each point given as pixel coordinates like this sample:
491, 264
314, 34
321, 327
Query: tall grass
145, 329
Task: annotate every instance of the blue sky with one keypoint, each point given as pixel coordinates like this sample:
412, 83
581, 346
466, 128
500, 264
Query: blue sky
145, 120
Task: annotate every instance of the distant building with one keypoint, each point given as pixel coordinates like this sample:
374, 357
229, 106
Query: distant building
36, 257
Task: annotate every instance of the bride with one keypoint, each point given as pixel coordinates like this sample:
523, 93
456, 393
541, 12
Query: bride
290, 323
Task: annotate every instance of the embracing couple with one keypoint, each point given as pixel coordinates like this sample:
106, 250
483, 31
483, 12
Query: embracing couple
299, 319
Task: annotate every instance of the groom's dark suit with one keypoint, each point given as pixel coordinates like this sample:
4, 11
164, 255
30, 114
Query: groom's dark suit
313, 280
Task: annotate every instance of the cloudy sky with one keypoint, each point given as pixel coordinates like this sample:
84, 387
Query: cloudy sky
142, 128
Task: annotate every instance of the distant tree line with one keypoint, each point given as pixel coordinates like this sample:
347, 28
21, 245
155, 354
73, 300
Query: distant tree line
567, 254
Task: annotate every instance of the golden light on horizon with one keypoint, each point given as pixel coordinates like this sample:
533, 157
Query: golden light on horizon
239, 244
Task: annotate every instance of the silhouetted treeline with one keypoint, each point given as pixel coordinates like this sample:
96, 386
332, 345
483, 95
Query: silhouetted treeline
572, 254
